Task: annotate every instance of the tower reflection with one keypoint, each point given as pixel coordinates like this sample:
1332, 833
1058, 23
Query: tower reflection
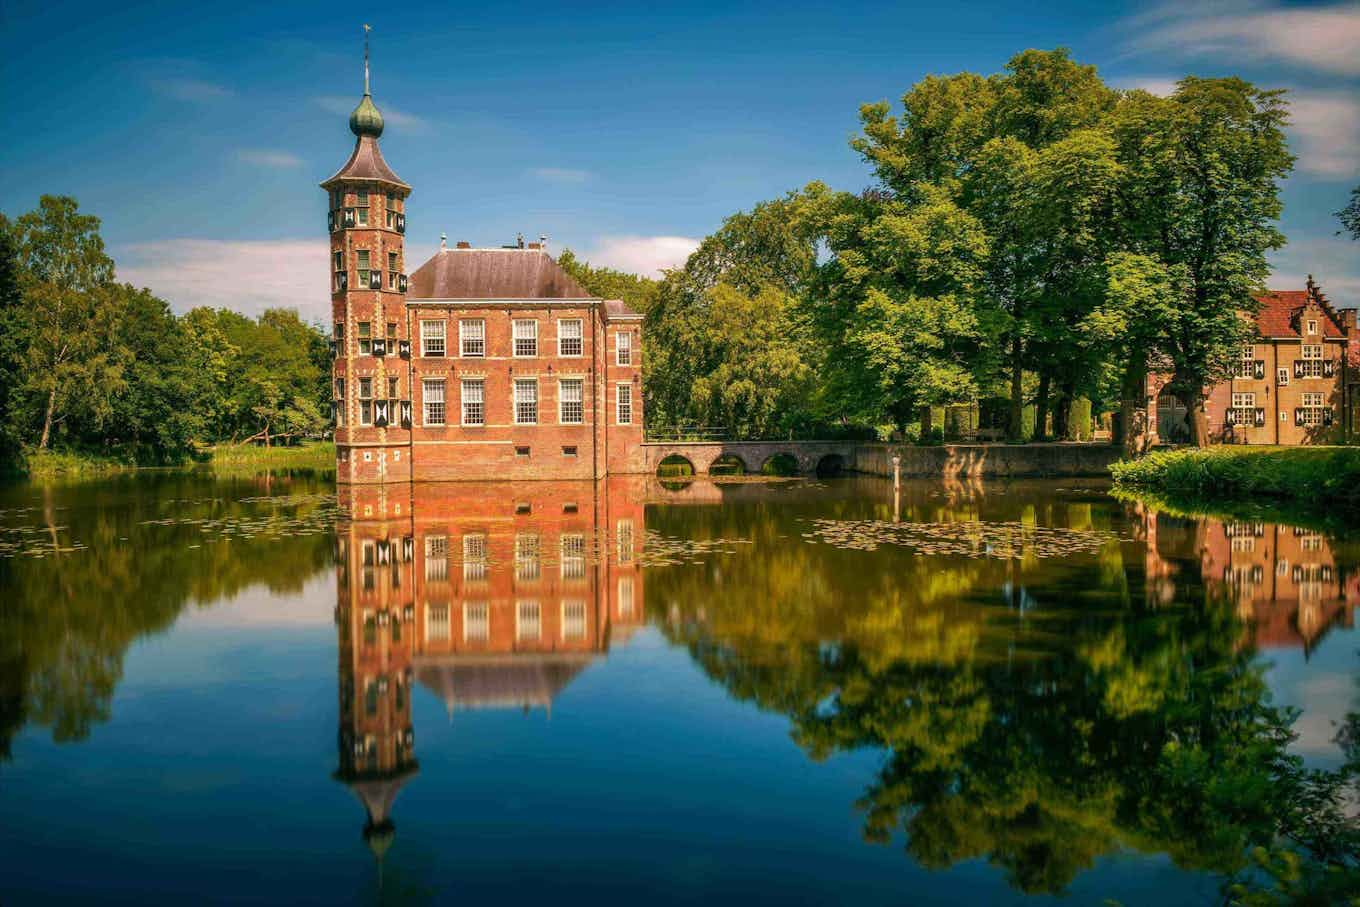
489, 595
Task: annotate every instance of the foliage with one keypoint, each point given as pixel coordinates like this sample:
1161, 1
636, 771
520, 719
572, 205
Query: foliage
1326, 475
249, 458
1039, 737
1350, 215
108, 374
636, 291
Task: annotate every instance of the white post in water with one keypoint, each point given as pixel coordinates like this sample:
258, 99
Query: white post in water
897, 489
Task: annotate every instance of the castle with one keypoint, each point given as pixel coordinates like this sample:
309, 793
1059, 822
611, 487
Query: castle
482, 364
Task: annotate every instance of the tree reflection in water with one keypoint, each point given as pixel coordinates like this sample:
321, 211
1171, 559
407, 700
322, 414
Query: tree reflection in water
1039, 713
148, 546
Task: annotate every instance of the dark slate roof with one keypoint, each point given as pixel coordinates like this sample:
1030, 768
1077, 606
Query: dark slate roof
493, 274
366, 163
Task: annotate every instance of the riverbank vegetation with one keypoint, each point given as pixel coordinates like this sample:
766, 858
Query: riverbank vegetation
105, 373
250, 458
1328, 478
1031, 239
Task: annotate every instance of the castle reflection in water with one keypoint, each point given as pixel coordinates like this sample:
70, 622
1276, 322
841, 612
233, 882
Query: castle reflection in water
497, 595
489, 595
1284, 580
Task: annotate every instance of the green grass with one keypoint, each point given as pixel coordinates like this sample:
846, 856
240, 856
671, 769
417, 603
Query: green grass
63, 464
1321, 477
254, 458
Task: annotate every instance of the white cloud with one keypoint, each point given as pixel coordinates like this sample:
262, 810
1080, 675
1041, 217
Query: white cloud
1320, 37
1326, 128
406, 122
264, 157
645, 255
1332, 261
193, 90
560, 175
248, 276
1162, 86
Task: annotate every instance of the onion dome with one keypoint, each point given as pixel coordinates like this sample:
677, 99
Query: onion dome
366, 119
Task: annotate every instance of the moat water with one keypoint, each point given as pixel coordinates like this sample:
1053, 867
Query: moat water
810, 692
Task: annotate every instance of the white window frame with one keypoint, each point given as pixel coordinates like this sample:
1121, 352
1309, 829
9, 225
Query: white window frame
562, 338
623, 407
365, 401
528, 557
436, 558
517, 402
579, 386
574, 618
528, 621
1282, 377
1246, 366
573, 556
1311, 351
1244, 401
476, 614
436, 387
437, 622
623, 348
466, 336
626, 597
623, 537
1312, 326
474, 558
530, 338
428, 336
465, 401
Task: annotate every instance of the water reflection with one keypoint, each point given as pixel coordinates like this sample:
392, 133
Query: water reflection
1037, 675
488, 595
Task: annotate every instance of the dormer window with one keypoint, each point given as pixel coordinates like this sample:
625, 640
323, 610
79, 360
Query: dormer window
1312, 326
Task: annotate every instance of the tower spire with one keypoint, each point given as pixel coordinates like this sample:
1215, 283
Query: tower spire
367, 28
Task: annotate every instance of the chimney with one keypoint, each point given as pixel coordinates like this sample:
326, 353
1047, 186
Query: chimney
464, 244
443, 242
519, 240
543, 241
535, 246
1348, 322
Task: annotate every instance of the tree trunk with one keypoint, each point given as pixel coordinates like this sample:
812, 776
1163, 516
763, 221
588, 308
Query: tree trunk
47, 418
1041, 408
926, 425
1133, 414
1015, 431
1198, 418
1062, 417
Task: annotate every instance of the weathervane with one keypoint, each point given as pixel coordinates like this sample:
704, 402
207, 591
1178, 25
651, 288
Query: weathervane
367, 28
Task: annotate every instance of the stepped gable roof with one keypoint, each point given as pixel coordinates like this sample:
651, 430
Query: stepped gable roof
493, 274
366, 163
1280, 310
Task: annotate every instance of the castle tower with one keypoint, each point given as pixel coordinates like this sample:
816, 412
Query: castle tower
372, 349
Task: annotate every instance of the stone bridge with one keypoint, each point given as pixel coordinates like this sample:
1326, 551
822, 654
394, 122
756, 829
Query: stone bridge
811, 456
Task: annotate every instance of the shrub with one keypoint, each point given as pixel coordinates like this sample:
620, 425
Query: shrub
1327, 475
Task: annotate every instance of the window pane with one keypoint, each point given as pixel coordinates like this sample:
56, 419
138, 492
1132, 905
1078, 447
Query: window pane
432, 338
526, 401
433, 396
474, 411
526, 338
571, 409
569, 334
473, 334
625, 404
624, 345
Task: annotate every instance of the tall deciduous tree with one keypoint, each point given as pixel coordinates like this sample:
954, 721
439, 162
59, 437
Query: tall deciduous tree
69, 364
1199, 201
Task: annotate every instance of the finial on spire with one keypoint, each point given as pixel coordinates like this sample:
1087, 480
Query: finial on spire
366, 120
367, 28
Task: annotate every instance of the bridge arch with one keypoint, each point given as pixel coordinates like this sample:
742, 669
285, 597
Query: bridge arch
675, 466
781, 463
727, 463
830, 465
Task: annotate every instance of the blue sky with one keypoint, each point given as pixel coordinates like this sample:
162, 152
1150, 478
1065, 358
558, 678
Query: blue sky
625, 131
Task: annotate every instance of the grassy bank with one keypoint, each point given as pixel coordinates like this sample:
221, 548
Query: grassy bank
252, 458
62, 464
1327, 478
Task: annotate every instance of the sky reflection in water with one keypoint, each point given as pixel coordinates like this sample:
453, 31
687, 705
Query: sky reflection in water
793, 692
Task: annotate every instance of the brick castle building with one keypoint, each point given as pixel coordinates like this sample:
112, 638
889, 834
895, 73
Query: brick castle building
1299, 383
482, 364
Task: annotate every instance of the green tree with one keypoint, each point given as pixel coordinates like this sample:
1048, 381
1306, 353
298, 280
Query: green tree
1350, 215
1199, 199
636, 291
69, 365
